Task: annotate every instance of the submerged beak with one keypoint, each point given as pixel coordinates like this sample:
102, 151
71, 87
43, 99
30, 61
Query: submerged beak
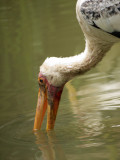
48, 99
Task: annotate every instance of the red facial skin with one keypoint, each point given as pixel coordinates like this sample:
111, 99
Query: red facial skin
48, 98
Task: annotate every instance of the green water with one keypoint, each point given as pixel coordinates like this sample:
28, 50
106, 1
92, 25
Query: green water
88, 121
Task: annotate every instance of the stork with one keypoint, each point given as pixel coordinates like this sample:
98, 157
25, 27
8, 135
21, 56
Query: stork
100, 23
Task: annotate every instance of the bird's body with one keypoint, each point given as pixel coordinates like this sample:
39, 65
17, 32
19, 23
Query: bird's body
100, 23
102, 14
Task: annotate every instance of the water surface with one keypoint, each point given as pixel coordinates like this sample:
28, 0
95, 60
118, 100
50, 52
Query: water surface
88, 122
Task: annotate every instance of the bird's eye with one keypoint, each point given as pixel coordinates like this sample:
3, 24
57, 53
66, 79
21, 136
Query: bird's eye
41, 81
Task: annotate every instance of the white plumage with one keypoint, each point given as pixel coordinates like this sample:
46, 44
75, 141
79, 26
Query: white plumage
100, 22
104, 14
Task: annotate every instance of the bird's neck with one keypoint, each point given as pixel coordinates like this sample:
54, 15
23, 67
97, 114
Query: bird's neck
60, 70
93, 53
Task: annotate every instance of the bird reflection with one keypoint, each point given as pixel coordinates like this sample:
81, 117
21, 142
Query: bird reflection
48, 145
89, 117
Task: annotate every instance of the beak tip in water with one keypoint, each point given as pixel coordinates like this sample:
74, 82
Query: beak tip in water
48, 98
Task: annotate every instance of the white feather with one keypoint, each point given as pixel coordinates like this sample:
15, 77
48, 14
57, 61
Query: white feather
110, 24
108, 11
115, 22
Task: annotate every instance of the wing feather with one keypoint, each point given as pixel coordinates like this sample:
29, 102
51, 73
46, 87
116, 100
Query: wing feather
103, 14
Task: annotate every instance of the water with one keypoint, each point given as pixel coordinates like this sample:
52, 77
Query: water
88, 121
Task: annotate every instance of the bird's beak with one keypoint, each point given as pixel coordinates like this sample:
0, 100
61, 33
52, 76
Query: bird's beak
48, 99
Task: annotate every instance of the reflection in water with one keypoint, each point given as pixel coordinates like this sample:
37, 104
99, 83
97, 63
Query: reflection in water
88, 117
49, 146
87, 102
86, 106
30, 31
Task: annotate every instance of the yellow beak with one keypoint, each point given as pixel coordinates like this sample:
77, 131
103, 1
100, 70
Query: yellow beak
48, 98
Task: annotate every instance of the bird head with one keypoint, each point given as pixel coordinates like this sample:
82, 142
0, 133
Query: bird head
51, 83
